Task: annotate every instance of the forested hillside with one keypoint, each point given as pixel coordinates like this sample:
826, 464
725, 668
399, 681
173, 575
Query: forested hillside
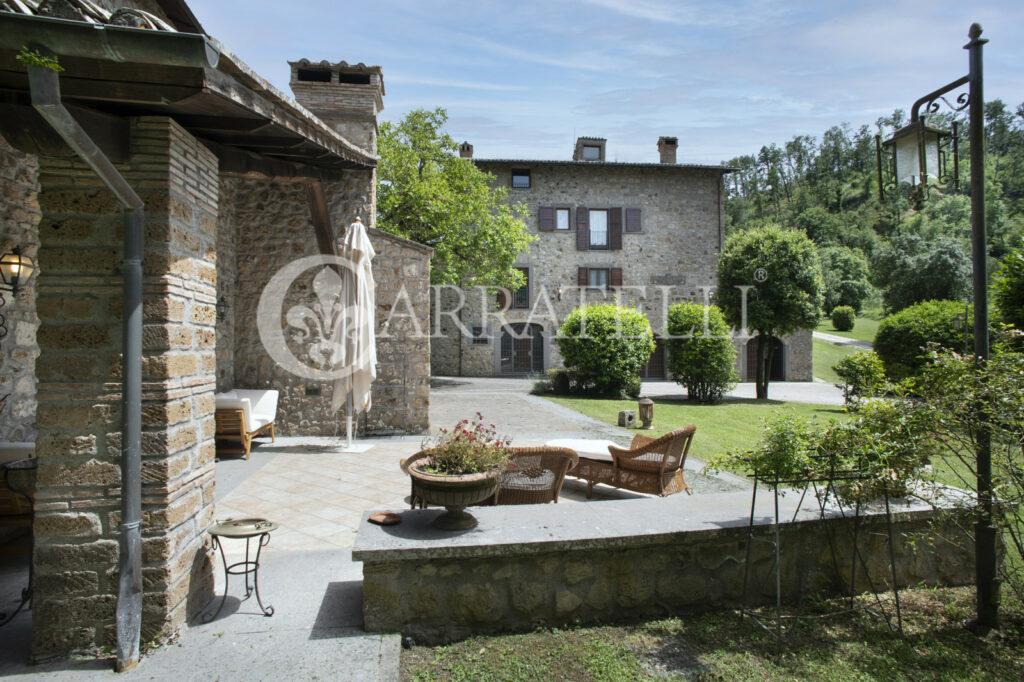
828, 187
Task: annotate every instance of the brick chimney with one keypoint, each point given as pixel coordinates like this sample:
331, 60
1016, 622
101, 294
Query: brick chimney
667, 149
589, 149
466, 150
347, 97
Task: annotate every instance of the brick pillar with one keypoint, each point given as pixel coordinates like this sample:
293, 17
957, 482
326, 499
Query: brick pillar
79, 305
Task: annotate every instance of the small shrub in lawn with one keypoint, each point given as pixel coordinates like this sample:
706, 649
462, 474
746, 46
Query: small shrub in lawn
901, 337
701, 354
863, 376
605, 346
843, 318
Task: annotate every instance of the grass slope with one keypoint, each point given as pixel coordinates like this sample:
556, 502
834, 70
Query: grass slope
863, 329
827, 354
731, 425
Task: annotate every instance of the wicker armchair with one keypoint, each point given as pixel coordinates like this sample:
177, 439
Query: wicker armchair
535, 475
650, 465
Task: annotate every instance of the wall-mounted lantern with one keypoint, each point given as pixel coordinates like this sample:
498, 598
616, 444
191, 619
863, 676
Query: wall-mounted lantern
16, 269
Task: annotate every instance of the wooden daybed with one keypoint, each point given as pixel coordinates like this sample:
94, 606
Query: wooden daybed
244, 414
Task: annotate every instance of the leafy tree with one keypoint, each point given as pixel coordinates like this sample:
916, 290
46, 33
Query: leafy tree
701, 354
909, 270
1008, 287
427, 193
785, 294
605, 346
845, 274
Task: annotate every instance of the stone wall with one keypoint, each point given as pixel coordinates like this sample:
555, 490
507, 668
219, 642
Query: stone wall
273, 228
797, 356
673, 256
505, 577
19, 226
79, 306
227, 280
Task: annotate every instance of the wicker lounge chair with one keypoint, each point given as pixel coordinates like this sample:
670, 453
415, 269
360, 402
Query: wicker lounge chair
650, 465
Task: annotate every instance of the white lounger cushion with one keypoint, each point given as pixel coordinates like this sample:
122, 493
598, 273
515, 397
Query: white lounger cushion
243, 404
264, 405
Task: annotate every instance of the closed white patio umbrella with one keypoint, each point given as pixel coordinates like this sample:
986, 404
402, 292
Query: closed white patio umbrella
355, 327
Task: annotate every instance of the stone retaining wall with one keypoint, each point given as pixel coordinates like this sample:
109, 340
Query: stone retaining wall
526, 567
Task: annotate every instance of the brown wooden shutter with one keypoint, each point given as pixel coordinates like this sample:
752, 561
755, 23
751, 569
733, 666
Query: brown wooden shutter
583, 277
546, 219
582, 229
615, 229
502, 299
632, 220
616, 277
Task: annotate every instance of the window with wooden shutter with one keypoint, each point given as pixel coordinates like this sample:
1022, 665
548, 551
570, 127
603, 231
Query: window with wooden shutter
562, 219
583, 277
546, 219
615, 229
521, 296
616, 277
582, 229
502, 299
633, 220
597, 224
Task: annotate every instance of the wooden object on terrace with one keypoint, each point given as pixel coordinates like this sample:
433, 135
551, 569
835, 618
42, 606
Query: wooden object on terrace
242, 415
650, 465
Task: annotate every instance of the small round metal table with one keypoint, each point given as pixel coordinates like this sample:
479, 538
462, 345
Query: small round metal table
247, 529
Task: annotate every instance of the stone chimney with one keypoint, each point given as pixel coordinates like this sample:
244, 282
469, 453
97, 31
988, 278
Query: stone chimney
347, 97
466, 150
589, 149
667, 149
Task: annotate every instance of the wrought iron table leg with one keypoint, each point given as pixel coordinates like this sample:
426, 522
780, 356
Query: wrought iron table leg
26, 592
264, 540
227, 578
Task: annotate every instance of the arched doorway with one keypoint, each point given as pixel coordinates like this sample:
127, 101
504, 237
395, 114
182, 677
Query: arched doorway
655, 367
778, 370
522, 348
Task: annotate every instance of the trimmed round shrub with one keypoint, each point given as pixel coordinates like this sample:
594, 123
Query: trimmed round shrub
863, 376
843, 318
902, 337
605, 346
701, 354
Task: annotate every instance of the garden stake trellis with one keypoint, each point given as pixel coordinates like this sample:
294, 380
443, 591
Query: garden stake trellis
823, 498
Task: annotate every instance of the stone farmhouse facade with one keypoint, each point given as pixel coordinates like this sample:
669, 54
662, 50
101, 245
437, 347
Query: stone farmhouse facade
642, 234
237, 180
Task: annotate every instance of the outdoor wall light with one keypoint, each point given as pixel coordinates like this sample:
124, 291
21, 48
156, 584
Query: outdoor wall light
645, 409
16, 269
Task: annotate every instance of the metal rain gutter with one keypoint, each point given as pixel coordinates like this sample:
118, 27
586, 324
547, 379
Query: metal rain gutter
79, 39
44, 85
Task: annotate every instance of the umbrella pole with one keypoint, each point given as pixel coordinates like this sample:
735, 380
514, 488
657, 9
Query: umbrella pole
348, 420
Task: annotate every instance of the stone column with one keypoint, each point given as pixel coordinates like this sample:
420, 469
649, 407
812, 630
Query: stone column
78, 489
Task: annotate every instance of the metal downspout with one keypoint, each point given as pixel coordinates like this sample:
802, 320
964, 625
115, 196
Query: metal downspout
44, 85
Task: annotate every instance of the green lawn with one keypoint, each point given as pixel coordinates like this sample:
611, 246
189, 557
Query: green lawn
863, 329
731, 425
716, 646
827, 354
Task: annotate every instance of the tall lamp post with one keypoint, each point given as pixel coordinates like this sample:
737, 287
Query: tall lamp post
918, 147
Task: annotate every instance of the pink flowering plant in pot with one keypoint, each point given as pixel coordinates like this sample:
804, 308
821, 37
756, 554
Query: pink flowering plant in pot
457, 468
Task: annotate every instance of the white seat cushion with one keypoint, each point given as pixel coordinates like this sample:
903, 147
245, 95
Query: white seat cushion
264, 403
242, 404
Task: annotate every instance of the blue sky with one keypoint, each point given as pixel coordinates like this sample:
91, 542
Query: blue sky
524, 79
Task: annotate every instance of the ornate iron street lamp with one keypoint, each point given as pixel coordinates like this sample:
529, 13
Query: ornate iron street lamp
925, 143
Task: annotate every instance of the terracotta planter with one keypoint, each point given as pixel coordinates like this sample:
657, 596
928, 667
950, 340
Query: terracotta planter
453, 492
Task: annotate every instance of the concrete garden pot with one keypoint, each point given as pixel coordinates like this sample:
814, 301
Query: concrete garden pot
454, 492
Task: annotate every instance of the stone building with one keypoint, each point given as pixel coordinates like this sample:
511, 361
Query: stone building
643, 234
236, 180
